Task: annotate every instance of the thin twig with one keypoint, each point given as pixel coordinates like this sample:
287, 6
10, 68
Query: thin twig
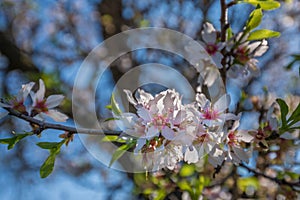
46, 125
274, 179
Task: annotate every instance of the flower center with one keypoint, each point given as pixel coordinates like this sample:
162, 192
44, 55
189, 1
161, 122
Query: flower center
211, 49
242, 55
210, 114
232, 138
160, 121
19, 106
41, 106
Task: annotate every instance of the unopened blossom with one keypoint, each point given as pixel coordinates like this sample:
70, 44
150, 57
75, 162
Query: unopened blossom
17, 102
42, 106
211, 44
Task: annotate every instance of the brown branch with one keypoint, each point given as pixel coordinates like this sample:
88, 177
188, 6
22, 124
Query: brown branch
72, 130
274, 179
224, 26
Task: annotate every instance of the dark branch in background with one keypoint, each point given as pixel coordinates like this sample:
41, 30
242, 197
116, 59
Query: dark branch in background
71, 130
274, 179
17, 59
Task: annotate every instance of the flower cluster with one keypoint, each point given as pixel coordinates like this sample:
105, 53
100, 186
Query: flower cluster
40, 106
242, 53
168, 131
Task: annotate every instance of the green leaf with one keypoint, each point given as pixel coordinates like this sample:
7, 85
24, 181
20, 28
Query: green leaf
243, 183
254, 19
187, 170
48, 166
14, 140
113, 138
115, 106
108, 107
264, 4
263, 34
119, 152
54, 148
48, 145
284, 109
296, 58
110, 119
229, 33
185, 186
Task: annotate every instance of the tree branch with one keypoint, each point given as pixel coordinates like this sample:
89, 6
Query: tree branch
72, 130
274, 179
224, 26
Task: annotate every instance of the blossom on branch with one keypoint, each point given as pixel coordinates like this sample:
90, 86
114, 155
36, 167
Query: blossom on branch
42, 107
17, 102
243, 60
211, 44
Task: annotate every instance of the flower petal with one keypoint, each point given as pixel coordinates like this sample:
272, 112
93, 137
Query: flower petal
54, 100
24, 92
4, 105
40, 94
130, 97
202, 100
57, 116
209, 34
191, 155
144, 114
222, 103
3, 114
168, 133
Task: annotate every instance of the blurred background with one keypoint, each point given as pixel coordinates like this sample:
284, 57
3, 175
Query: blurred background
50, 39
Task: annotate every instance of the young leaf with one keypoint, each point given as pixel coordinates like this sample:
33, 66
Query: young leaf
115, 106
113, 138
254, 19
14, 140
263, 34
229, 33
119, 152
48, 145
284, 109
48, 166
264, 4
108, 107
110, 119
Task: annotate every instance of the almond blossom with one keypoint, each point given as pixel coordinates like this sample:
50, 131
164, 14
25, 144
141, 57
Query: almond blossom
235, 151
213, 114
244, 55
213, 48
43, 107
17, 102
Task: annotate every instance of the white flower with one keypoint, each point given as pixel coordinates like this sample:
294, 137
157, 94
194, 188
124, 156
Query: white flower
244, 62
235, 152
159, 114
17, 103
42, 107
209, 36
213, 114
